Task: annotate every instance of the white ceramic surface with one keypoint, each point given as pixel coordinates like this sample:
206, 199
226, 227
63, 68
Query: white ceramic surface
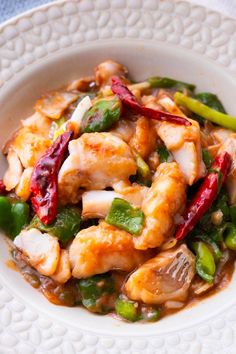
51, 45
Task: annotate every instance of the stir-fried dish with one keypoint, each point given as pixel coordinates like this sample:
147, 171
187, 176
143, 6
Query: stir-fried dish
120, 196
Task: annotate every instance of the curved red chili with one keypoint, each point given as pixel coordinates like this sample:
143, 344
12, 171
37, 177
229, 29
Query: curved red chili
205, 195
126, 96
44, 179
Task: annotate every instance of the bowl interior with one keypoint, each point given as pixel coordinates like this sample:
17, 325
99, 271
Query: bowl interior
143, 59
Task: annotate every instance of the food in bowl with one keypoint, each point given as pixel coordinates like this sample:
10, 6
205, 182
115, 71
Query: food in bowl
120, 196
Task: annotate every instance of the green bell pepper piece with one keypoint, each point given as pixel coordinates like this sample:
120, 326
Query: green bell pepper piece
215, 248
205, 264
125, 217
222, 119
101, 116
232, 210
94, 289
127, 309
163, 154
166, 82
20, 212
207, 159
150, 313
210, 100
143, 168
230, 237
65, 227
14, 215
5, 214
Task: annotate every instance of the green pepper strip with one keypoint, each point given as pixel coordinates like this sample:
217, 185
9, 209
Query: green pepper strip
125, 217
215, 248
127, 309
205, 264
222, 119
14, 215
143, 168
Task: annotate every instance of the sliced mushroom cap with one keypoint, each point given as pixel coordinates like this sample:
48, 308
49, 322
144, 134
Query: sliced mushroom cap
167, 277
42, 250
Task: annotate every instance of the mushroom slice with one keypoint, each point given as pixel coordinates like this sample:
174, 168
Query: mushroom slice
167, 277
14, 172
41, 250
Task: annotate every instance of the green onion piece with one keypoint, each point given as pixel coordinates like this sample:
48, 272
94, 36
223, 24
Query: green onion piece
222, 119
232, 211
101, 116
163, 154
65, 227
143, 168
127, 309
125, 217
206, 156
210, 100
230, 237
205, 264
215, 248
166, 82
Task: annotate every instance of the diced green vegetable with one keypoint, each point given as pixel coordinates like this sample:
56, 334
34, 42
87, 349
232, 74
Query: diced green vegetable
20, 217
65, 227
163, 154
230, 237
206, 156
210, 100
125, 217
205, 264
101, 116
94, 291
232, 211
150, 313
166, 82
143, 168
14, 215
127, 309
222, 119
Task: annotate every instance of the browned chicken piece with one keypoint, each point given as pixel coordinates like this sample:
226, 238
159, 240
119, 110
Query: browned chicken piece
107, 69
144, 140
230, 146
96, 161
101, 248
184, 142
124, 129
165, 278
164, 200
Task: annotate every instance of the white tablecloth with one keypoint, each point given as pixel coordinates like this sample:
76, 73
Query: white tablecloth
226, 7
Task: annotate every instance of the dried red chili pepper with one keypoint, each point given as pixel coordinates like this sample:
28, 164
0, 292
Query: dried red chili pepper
3, 190
126, 96
44, 179
205, 195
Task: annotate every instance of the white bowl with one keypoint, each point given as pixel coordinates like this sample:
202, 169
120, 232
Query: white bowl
47, 47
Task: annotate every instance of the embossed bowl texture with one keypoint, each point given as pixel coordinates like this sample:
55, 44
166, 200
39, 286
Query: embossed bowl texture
49, 46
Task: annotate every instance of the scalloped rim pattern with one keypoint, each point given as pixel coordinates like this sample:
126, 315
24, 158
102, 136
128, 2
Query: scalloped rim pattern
46, 30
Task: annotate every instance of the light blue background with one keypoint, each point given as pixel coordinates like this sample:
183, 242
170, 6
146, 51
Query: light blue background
9, 8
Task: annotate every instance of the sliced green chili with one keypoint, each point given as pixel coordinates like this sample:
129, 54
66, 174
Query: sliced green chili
230, 237
101, 116
125, 217
222, 119
127, 309
205, 264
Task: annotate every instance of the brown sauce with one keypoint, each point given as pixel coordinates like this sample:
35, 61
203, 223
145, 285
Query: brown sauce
68, 294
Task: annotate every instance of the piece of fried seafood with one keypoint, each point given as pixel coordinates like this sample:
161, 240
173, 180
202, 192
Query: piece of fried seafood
164, 279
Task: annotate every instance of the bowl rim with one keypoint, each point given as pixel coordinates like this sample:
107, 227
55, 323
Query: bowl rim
220, 49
